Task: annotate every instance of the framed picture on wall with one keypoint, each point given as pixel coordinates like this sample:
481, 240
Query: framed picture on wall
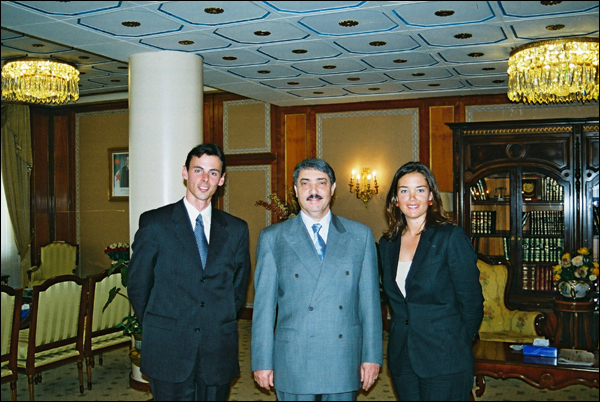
118, 174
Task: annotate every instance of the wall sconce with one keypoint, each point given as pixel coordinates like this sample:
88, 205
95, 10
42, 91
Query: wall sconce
363, 188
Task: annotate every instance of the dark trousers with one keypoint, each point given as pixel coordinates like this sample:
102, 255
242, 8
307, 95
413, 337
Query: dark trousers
345, 396
192, 389
451, 387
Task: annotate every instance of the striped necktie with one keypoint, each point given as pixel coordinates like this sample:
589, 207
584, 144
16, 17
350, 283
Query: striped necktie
319, 242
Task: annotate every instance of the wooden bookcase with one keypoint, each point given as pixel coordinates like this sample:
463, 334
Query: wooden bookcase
524, 193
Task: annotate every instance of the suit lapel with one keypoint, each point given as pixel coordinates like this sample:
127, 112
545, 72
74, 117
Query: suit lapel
393, 257
300, 242
184, 231
420, 253
337, 243
218, 236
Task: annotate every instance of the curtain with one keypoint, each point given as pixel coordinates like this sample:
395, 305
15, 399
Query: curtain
17, 162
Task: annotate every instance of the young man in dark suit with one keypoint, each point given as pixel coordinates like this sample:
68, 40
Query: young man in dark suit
188, 278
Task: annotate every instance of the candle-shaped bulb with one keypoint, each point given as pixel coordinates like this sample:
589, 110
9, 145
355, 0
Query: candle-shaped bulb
374, 174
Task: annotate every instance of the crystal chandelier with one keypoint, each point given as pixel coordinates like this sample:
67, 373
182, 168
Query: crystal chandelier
39, 81
557, 70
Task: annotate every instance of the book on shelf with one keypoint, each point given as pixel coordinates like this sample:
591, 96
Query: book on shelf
506, 246
537, 277
479, 191
483, 222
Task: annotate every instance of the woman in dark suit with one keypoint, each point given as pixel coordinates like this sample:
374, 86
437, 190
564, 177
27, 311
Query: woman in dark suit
431, 278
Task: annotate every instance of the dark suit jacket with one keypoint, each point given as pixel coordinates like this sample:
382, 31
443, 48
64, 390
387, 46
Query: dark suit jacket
181, 306
436, 322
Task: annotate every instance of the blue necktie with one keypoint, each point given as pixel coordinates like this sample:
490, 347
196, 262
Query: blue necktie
201, 240
319, 242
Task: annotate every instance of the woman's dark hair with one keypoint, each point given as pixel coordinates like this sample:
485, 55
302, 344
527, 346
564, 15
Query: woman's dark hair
396, 219
206, 149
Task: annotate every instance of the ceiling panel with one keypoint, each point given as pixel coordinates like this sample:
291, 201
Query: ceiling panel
298, 53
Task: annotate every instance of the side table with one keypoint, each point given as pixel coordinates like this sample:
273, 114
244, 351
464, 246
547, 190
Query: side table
573, 326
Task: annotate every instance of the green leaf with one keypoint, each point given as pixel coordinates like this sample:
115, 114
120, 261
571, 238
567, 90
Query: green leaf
111, 296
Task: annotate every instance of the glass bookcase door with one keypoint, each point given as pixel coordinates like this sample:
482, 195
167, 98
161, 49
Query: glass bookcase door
542, 221
490, 215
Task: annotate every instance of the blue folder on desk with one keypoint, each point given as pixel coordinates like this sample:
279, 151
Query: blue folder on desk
542, 351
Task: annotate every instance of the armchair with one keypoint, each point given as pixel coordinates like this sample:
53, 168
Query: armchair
500, 323
11, 316
101, 332
55, 334
57, 258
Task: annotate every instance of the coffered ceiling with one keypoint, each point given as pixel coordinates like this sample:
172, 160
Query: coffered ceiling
298, 52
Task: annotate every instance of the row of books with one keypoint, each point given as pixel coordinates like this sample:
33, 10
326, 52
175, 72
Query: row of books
544, 222
551, 190
479, 191
483, 222
536, 249
538, 278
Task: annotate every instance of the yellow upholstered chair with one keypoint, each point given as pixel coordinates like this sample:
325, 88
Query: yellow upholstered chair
11, 318
55, 333
101, 332
501, 323
57, 258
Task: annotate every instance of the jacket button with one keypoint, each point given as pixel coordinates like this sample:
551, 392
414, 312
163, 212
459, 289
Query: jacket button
341, 336
406, 322
341, 307
310, 308
196, 329
297, 276
202, 280
202, 304
347, 272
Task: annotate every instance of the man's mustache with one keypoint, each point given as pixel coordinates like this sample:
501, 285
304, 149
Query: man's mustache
316, 196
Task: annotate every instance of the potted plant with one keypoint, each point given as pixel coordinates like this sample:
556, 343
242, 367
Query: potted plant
119, 255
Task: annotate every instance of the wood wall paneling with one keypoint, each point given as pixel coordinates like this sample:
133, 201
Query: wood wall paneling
295, 146
440, 145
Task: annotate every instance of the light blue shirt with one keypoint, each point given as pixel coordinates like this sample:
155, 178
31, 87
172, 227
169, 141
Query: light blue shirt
308, 222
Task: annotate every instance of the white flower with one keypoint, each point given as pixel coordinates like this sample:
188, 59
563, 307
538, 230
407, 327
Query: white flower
577, 261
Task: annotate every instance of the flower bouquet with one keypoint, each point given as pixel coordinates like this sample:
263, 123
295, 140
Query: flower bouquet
283, 210
574, 275
117, 252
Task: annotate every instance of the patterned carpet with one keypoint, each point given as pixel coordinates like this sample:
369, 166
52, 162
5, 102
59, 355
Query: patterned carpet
111, 383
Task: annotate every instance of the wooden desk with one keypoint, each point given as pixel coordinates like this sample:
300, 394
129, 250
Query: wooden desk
498, 360
573, 326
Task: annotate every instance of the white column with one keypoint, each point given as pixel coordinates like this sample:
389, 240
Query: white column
165, 123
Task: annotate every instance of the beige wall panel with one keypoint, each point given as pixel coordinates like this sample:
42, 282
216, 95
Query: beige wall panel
244, 186
382, 141
514, 111
246, 127
100, 222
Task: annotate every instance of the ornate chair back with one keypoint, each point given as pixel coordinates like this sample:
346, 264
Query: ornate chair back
57, 258
55, 334
9, 342
101, 333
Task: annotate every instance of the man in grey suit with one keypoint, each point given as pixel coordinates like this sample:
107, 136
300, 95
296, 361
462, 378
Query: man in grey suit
318, 271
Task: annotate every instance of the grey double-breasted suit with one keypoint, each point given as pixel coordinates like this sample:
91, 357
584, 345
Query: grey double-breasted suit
328, 318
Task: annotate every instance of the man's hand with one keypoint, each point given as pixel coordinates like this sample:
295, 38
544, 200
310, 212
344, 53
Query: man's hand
264, 378
368, 374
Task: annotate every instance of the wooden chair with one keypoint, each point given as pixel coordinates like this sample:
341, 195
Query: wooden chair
11, 317
500, 323
101, 333
55, 334
57, 258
